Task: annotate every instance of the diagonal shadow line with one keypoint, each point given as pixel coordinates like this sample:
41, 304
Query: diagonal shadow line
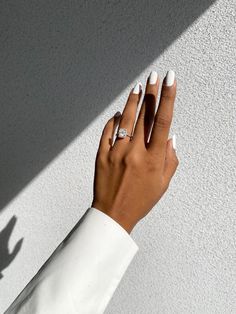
63, 62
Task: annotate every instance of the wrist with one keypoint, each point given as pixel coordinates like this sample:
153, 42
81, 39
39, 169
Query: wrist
121, 217
123, 220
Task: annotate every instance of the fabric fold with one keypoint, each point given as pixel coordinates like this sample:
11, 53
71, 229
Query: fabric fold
83, 272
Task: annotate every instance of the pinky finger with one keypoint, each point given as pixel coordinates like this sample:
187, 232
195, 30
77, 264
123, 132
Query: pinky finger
105, 143
171, 161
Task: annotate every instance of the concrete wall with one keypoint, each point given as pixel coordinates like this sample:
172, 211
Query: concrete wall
66, 67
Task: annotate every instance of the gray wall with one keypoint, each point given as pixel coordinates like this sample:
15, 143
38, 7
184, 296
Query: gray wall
66, 67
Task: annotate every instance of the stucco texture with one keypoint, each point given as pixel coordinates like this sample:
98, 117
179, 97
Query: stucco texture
66, 68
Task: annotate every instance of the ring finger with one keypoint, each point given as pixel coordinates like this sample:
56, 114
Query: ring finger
128, 116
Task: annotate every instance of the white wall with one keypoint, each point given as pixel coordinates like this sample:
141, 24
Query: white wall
187, 251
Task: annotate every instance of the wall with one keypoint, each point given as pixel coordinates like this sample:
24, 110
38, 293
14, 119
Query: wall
66, 67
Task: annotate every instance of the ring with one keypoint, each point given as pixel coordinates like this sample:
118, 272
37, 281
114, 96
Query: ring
122, 133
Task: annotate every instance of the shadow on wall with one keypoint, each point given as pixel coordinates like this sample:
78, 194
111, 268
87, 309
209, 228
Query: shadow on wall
15, 306
63, 62
5, 256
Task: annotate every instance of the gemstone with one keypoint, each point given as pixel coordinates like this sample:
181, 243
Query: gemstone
122, 133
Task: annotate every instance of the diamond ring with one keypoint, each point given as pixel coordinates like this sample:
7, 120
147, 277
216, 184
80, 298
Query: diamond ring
122, 133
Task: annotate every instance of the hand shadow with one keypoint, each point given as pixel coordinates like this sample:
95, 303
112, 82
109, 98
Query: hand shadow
5, 256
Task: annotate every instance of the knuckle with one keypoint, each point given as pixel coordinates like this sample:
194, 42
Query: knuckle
114, 158
132, 159
163, 122
101, 160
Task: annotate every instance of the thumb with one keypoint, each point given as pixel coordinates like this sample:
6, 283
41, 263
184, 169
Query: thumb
171, 161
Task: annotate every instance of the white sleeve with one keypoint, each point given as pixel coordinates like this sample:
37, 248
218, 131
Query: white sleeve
83, 272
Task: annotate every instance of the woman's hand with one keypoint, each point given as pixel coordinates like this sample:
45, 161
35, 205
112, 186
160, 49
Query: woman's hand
132, 174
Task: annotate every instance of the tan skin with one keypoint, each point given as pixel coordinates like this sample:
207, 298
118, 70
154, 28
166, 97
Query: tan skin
132, 174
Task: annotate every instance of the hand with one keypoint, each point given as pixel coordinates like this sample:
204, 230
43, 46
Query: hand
132, 174
6, 256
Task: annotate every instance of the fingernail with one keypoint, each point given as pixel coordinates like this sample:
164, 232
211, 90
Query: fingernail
153, 77
170, 78
117, 114
174, 141
137, 88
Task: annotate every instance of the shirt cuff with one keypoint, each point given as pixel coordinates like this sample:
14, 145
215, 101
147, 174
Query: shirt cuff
83, 272
108, 250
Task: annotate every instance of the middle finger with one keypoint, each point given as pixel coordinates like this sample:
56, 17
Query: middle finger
147, 111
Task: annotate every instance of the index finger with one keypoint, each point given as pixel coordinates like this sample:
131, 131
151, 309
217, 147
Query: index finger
163, 116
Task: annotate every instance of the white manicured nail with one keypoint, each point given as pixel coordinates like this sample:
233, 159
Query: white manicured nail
137, 88
170, 78
153, 77
174, 141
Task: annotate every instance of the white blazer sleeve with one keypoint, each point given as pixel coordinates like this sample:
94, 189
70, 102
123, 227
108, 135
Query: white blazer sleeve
83, 272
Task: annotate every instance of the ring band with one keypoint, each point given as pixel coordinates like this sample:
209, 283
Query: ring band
122, 133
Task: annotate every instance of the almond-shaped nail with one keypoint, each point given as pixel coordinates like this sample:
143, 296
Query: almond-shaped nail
174, 141
137, 88
170, 78
153, 77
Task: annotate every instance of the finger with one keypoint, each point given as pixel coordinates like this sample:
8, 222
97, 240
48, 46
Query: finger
147, 111
7, 231
128, 116
16, 249
108, 133
171, 161
163, 117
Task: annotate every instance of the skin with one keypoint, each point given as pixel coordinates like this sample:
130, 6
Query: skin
133, 174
